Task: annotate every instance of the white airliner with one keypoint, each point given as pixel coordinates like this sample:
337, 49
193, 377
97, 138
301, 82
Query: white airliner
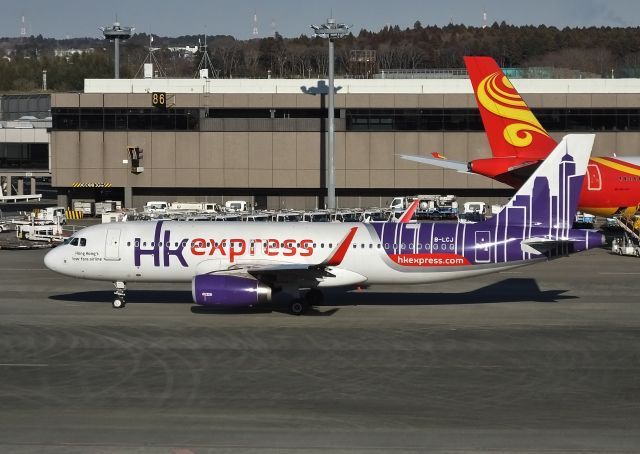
238, 264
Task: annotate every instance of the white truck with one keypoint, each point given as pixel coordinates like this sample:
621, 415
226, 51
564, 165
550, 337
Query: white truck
473, 212
235, 205
624, 246
50, 215
201, 207
430, 207
156, 207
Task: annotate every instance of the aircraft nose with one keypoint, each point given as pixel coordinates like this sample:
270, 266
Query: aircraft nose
51, 259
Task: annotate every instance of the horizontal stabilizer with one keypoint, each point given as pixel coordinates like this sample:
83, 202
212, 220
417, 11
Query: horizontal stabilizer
459, 166
538, 246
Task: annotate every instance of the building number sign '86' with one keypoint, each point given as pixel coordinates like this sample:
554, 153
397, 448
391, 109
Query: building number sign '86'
159, 99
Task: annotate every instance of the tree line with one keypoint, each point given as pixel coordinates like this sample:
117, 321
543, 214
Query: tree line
595, 51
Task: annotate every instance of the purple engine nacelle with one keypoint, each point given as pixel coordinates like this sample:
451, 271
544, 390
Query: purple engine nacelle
225, 290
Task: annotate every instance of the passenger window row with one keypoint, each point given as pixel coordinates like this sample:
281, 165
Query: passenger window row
387, 246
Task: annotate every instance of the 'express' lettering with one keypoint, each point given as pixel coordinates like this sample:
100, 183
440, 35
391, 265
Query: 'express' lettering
227, 247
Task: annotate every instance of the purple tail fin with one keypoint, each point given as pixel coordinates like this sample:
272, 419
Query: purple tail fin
549, 198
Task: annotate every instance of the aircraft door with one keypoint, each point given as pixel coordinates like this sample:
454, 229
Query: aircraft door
594, 179
483, 251
112, 245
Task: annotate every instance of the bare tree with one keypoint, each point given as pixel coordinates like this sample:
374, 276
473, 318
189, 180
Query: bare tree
410, 57
387, 57
320, 57
252, 61
229, 55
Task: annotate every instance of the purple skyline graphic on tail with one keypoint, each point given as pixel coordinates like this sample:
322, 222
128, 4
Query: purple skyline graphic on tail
543, 209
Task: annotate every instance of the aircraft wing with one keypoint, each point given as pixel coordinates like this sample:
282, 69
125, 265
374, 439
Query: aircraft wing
281, 273
460, 166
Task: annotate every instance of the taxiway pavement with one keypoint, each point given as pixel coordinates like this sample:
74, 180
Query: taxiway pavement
540, 359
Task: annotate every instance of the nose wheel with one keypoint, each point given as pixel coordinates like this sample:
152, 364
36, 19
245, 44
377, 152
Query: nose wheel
119, 295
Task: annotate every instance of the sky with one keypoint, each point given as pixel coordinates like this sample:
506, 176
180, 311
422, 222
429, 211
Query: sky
81, 18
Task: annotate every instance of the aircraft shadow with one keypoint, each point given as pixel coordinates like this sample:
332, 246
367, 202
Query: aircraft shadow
513, 290
134, 296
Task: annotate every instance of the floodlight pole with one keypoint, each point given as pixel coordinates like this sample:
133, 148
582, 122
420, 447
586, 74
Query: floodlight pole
331, 30
331, 170
116, 32
116, 73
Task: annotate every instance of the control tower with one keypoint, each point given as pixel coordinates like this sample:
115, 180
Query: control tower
116, 32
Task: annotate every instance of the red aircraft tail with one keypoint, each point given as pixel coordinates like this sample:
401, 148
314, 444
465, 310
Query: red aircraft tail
512, 129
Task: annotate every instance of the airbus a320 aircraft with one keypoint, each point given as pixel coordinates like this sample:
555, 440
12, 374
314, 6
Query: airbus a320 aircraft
231, 264
519, 143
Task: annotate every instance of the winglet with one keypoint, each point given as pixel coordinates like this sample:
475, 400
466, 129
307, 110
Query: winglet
336, 258
408, 213
437, 155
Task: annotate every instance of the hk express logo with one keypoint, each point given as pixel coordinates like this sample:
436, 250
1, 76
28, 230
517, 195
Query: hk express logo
497, 95
163, 248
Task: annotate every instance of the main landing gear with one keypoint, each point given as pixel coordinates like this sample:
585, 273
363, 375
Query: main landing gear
119, 294
299, 306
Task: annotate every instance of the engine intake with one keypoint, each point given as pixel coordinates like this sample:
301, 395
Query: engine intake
228, 291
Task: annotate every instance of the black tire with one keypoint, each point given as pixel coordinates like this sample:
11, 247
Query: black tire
298, 307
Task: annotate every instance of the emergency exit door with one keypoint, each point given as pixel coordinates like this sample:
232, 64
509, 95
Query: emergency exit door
483, 249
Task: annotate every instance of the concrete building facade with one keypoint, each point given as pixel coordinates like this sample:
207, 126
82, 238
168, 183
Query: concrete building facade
264, 140
24, 142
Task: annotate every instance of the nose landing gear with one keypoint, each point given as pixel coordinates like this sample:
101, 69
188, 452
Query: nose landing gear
120, 294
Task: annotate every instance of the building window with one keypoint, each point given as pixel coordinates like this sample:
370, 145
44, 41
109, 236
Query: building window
65, 119
110, 119
27, 156
469, 120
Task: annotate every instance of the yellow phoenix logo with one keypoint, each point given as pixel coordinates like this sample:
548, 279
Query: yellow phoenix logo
497, 95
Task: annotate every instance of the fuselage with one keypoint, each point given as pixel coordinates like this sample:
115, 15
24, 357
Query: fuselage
611, 185
377, 253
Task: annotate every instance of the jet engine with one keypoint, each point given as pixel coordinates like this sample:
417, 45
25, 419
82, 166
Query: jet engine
229, 291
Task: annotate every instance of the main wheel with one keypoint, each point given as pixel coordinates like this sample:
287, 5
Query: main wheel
118, 303
298, 307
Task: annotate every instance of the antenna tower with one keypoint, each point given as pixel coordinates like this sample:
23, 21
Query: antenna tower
150, 59
254, 33
205, 68
23, 28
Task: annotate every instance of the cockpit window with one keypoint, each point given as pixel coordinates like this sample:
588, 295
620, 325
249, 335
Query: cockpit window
83, 242
74, 242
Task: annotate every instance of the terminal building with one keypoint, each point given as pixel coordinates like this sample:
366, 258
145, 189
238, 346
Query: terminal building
24, 143
264, 140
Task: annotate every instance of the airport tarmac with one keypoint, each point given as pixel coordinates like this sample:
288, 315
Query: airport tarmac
540, 359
